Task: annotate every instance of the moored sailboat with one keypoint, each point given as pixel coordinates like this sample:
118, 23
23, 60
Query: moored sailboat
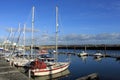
41, 68
83, 53
25, 61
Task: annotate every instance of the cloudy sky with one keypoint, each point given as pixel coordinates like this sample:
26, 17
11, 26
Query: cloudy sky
80, 21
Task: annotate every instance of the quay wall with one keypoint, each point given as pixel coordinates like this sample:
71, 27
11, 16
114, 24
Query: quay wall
89, 47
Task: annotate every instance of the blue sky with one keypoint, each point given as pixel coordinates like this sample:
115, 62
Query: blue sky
79, 20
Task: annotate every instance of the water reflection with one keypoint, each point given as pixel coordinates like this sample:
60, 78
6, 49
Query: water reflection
64, 73
84, 58
107, 67
97, 58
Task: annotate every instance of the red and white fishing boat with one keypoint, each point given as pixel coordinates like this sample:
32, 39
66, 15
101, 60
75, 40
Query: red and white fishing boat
41, 68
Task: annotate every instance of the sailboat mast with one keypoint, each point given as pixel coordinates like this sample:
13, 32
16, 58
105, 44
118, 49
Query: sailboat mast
11, 40
24, 37
9, 47
85, 48
18, 33
8, 39
56, 32
32, 29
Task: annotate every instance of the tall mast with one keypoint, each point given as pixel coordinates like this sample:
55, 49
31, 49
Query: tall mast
9, 47
11, 41
24, 37
19, 34
8, 39
85, 48
32, 28
56, 32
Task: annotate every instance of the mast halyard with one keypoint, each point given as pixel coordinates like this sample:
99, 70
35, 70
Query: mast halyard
56, 34
32, 29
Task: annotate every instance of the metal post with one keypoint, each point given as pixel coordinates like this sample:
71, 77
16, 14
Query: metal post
29, 73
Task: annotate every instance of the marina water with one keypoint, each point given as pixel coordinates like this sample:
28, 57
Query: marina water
107, 68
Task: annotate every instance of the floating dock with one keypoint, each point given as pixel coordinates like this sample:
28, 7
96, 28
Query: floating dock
93, 76
8, 72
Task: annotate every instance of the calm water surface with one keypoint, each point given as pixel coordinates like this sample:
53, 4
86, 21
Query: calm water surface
107, 68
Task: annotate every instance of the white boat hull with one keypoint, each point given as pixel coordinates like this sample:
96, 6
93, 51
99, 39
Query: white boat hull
83, 53
22, 62
98, 54
50, 70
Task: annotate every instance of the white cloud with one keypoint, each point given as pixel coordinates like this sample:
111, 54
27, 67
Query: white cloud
104, 38
76, 39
